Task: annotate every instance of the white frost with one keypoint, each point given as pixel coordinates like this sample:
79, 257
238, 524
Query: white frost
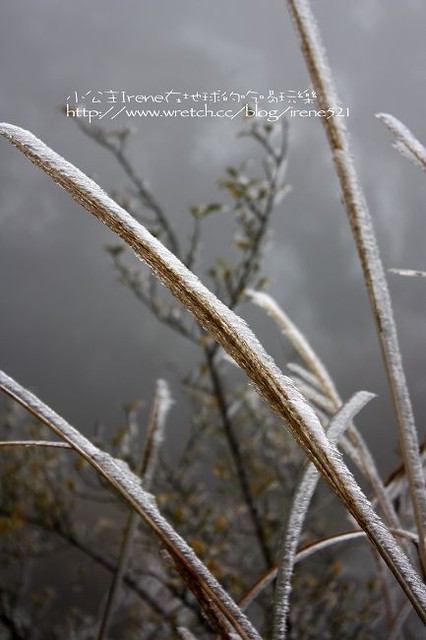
235, 336
298, 511
406, 143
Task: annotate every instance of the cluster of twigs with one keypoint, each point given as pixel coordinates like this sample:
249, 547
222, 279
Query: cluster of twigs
307, 403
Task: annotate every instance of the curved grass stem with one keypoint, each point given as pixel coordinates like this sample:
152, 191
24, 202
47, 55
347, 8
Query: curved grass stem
367, 247
239, 341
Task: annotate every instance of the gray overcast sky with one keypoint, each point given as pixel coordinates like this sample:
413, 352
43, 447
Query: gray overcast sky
67, 328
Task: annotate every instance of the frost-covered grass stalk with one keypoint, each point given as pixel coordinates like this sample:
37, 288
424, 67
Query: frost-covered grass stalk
366, 243
319, 375
238, 340
306, 551
317, 386
406, 143
410, 273
34, 443
129, 486
155, 432
298, 511
145, 470
324, 394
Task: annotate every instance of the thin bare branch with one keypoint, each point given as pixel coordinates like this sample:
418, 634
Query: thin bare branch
235, 450
395, 631
146, 197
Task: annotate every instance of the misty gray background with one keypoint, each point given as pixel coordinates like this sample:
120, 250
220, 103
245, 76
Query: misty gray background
67, 328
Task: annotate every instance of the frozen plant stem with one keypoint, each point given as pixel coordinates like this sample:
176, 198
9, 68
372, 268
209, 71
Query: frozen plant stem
297, 514
34, 443
367, 247
146, 469
309, 550
406, 143
155, 433
239, 341
128, 485
356, 449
